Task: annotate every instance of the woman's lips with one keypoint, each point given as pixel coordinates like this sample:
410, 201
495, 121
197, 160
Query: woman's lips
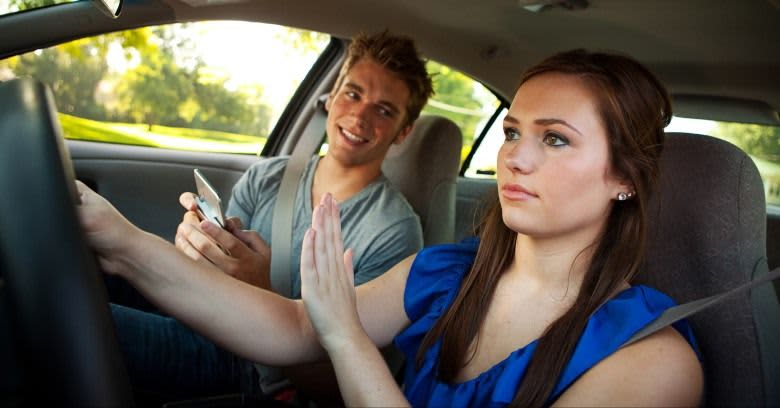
516, 192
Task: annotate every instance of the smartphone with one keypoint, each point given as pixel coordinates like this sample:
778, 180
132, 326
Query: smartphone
209, 203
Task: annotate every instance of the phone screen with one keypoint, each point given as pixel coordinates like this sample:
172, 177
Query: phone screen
209, 203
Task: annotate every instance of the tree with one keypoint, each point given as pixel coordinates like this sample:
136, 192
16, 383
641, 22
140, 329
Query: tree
152, 91
756, 140
456, 98
75, 70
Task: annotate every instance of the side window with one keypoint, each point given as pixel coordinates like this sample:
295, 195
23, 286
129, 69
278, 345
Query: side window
466, 102
215, 86
483, 162
761, 143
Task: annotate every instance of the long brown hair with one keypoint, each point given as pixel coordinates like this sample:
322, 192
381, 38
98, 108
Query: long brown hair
634, 109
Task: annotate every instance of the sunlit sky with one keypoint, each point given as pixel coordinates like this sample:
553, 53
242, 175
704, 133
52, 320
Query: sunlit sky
250, 53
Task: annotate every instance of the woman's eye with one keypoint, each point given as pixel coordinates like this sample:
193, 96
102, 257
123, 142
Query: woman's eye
554, 139
511, 134
351, 94
384, 112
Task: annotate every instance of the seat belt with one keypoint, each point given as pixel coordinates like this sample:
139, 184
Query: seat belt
676, 313
282, 225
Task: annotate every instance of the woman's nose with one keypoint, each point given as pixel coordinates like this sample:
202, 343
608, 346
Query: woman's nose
521, 156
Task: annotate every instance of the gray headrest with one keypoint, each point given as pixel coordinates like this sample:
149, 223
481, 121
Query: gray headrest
707, 233
425, 169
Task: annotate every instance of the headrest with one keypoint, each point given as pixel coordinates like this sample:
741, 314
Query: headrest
706, 234
425, 169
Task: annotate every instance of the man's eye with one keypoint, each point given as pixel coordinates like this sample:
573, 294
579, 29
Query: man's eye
554, 139
385, 112
351, 94
511, 134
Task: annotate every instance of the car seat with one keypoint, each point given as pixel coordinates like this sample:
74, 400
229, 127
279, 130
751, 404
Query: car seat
425, 169
707, 234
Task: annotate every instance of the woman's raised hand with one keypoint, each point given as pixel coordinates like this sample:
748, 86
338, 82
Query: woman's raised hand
327, 279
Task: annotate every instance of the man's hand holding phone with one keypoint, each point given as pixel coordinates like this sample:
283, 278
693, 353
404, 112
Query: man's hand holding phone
239, 253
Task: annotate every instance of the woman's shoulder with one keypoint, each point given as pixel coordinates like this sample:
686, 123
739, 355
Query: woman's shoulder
659, 370
603, 370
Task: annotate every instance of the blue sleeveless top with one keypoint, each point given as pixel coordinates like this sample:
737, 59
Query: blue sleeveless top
433, 283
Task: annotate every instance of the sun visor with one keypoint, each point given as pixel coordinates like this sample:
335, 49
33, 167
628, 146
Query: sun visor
725, 109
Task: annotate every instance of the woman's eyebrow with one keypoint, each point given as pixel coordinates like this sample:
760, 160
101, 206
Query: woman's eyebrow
544, 122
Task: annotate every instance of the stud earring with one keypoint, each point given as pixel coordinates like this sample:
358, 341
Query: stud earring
622, 196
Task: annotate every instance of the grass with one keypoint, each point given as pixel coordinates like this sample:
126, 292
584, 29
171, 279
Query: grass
160, 136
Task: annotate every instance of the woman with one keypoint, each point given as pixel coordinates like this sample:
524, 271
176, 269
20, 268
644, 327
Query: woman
534, 312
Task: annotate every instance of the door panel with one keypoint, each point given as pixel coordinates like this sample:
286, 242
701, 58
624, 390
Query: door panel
145, 183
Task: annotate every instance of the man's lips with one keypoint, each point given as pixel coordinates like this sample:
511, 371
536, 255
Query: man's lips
351, 137
516, 192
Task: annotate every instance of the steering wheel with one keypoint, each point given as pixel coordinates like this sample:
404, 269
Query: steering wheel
55, 302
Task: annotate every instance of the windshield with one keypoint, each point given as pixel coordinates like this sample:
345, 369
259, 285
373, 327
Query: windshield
14, 6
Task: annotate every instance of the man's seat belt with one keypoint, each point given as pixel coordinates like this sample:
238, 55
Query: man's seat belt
271, 379
282, 225
676, 313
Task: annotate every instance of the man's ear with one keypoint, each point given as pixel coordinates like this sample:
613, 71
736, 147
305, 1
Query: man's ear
328, 102
403, 134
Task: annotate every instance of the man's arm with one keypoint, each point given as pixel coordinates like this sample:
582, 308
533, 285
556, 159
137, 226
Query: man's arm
242, 254
388, 247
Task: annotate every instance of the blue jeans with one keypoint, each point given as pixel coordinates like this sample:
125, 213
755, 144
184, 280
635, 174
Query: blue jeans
166, 361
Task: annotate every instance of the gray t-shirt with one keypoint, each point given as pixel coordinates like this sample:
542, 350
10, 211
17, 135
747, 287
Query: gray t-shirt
377, 222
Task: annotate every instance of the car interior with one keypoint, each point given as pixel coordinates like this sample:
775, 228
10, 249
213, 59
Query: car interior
712, 225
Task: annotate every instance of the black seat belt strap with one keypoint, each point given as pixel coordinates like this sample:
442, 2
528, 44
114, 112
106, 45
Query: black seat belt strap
676, 313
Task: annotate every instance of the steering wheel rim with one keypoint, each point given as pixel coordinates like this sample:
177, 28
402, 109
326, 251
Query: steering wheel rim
59, 315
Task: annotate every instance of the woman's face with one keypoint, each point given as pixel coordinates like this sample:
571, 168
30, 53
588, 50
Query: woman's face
554, 176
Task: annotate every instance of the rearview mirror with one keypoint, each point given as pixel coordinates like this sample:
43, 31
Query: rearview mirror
111, 8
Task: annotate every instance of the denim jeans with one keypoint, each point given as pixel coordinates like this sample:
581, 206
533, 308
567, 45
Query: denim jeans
166, 361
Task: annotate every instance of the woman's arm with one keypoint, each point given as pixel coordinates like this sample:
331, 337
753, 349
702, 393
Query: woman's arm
256, 324
661, 370
327, 287
251, 322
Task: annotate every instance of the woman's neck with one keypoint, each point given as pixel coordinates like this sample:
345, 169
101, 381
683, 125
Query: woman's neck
552, 266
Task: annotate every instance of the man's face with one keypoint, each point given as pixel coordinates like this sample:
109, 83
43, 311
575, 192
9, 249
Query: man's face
366, 115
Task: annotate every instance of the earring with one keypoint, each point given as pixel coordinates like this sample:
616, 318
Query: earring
622, 196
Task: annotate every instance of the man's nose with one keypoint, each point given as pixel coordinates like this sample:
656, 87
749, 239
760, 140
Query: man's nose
360, 111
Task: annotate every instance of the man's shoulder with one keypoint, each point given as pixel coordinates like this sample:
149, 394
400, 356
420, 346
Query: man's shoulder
266, 164
384, 198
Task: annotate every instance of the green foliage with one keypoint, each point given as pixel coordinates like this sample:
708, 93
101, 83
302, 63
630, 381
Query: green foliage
22, 5
457, 98
755, 140
167, 83
72, 73
306, 41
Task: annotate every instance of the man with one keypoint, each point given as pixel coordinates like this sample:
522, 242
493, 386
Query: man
380, 91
